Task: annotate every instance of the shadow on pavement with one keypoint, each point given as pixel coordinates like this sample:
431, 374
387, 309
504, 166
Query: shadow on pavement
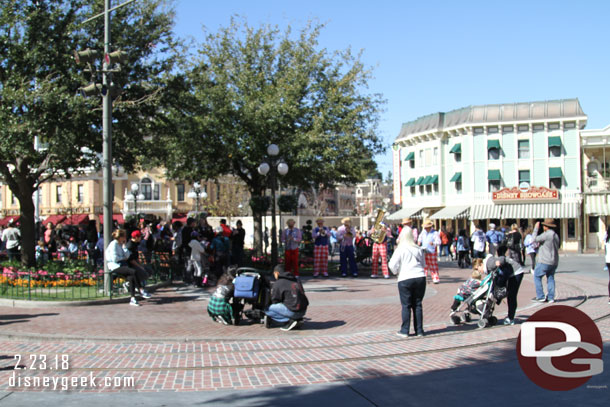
20, 318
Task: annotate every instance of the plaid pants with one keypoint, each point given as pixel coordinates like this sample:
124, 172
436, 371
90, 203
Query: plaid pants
291, 261
380, 249
432, 266
320, 259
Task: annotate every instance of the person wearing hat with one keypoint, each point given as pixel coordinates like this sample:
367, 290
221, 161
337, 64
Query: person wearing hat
11, 236
430, 239
547, 260
380, 251
407, 224
291, 238
345, 238
321, 238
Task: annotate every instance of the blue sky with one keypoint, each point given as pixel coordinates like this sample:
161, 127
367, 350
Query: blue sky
433, 56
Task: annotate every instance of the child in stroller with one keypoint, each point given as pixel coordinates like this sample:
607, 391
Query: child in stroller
251, 287
465, 291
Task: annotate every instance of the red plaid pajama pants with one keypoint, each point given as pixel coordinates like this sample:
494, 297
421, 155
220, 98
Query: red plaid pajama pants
320, 259
432, 266
380, 250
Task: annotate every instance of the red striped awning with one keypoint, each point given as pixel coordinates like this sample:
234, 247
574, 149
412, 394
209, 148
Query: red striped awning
5, 221
179, 217
77, 219
118, 217
55, 219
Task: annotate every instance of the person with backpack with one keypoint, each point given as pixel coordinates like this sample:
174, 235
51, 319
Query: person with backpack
288, 301
494, 238
513, 243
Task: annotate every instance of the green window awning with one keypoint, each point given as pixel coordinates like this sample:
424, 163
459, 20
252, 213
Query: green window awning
555, 141
457, 177
410, 182
420, 181
555, 172
493, 144
434, 179
493, 175
410, 156
427, 180
456, 149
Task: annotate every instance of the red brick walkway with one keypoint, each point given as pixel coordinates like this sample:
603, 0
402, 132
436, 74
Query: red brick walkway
171, 344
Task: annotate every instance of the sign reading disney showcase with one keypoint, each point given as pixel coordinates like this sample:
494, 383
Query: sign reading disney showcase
515, 194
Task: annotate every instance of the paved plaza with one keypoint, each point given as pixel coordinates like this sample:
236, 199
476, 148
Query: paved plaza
346, 353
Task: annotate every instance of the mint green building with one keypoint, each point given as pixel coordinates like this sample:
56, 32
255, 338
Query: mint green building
447, 166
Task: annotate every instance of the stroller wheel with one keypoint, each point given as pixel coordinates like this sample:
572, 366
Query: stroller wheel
455, 319
482, 323
493, 321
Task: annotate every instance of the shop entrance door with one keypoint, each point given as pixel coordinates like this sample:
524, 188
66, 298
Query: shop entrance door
593, 233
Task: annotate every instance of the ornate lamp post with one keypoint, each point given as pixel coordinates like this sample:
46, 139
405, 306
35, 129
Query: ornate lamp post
274, 165
196, 193
135, 197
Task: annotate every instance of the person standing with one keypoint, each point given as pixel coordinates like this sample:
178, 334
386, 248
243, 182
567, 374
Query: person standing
406, 224
380, 251
345, 237
531, 247
478, 243
238, 237
444, 243
291, 238
321, 237
548, 260
430, 239
607, 246
494, 237
514, 243
333, 241
409, 262
462, 247
11, 236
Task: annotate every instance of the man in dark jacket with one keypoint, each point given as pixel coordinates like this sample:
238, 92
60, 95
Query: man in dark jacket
288, 300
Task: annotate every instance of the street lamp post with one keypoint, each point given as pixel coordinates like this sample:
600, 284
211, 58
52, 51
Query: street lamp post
273, 164
197, 192
135, 197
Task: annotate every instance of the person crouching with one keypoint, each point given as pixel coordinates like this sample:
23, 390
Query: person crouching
288, 300
219, 308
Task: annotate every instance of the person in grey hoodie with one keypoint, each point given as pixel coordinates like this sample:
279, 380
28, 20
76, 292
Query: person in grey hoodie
547, 260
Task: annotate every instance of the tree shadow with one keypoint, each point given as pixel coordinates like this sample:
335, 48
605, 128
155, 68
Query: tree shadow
26, 316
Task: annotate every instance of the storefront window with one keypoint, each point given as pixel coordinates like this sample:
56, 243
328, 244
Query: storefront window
571, 228
593, 224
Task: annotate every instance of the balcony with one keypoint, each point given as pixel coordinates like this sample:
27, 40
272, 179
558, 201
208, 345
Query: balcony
159, 208
597, 183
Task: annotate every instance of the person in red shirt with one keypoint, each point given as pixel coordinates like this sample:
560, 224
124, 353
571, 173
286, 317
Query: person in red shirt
226, 230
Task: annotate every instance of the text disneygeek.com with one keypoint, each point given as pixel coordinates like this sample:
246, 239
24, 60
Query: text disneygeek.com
65, 383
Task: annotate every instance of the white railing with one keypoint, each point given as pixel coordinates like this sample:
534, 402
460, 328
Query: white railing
153, 207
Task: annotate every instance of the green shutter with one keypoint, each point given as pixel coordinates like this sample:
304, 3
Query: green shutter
555, 172
555, 141
410, 182
493, 144
493, 175
456, 149
457, 177
410, 156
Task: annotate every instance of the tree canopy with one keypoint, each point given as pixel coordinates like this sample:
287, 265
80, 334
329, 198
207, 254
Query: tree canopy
39, 80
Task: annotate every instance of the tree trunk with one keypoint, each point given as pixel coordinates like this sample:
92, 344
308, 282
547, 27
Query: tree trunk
258, 233
28, 226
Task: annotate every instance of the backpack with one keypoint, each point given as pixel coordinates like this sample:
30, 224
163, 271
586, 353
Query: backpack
246, 286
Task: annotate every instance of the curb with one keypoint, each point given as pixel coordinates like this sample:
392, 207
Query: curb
5, 302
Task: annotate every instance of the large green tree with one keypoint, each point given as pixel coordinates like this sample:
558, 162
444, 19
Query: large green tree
39, 80
250, 87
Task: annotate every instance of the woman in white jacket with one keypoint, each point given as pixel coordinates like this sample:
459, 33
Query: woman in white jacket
408, 262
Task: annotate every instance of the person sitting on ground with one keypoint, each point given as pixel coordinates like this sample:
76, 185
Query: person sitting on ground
219, 308
288, 300
117, 258
469, 286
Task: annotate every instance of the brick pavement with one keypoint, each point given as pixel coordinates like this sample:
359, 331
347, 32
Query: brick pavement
171, 344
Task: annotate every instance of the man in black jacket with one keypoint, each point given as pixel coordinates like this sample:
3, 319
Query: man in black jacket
288, 300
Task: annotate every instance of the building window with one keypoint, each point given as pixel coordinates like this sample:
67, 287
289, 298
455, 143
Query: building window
492, 130
80, 193
555, 183
13, 199
553, 126
524, 176
538, 127
413, 190
493, 154
435, 189
523, 149
571, 228
428, 189
146, 188
494, 185
58, 194
478, 130
593, 224
458, 187
435, 156
507, 129
157, 192
523, 128
421, 189
569, 125
412, 163
554, 151
180, 192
